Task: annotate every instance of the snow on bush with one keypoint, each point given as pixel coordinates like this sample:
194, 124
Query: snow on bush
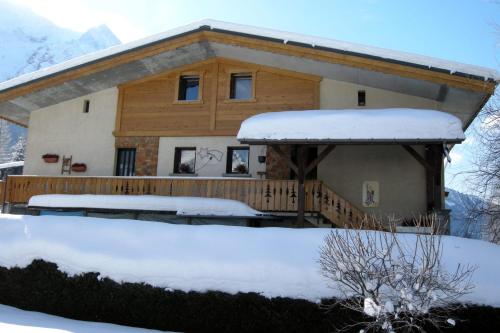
401, 284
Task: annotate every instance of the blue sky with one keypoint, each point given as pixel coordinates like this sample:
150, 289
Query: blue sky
461, 30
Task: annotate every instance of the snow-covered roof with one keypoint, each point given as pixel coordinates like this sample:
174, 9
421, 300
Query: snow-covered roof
284, 37
11, 164
184, 206
353, 125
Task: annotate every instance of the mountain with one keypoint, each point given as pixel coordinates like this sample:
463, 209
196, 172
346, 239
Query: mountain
460, 205
30, 42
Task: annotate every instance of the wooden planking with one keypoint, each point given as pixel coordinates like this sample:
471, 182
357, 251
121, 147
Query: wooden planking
149, 106
261, 194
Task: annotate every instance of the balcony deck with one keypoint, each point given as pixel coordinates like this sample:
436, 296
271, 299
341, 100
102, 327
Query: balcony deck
273, 196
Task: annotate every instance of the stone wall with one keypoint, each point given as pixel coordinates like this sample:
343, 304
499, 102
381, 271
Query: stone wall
146, 155
276, 167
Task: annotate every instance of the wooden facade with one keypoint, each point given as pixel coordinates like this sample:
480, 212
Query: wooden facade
149, 107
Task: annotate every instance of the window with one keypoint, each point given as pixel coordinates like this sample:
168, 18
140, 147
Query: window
86, 106
185, 160
361, 98
241, 86
125, 162
189, 86
237, 160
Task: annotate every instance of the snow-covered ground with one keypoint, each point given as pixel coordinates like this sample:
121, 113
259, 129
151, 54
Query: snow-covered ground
181, 205
13, 320
270, 261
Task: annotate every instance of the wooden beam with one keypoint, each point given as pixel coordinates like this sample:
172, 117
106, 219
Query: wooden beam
14, 121
301, 176
320, 157
433, 175
287, 158
417, 156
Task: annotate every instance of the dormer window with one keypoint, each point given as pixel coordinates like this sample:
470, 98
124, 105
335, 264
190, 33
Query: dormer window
189, 88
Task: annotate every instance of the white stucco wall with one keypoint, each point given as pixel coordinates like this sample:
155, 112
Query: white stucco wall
211, 155
344, 95
64, 129
401, 178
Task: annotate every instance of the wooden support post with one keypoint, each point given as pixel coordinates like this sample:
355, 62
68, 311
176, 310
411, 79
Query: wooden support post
320, 158
417, 157
301, 176
433, 175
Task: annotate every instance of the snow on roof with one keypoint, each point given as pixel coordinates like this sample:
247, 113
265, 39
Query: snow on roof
11, 164
182, 205
346, 125
285, 37
271, 261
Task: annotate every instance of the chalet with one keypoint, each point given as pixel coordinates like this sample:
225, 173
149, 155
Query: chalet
284, 122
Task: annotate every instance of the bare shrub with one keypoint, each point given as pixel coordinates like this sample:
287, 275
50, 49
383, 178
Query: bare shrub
397, 281
484, 177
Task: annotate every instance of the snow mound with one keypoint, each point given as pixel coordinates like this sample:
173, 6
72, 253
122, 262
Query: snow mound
11, 164
271, 261
14, 320
181, 205
353, 124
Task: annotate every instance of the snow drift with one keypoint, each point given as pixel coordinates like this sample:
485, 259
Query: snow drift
271, 261
19, 321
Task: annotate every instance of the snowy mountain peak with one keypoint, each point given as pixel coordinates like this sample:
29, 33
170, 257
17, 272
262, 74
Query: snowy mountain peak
99, 37
30, 42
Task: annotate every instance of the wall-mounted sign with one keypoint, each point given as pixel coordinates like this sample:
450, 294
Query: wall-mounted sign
371, 193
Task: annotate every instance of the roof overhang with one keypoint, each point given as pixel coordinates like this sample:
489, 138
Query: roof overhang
458, 91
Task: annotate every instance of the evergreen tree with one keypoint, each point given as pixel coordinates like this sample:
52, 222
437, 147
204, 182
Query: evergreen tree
5, 141
18, 150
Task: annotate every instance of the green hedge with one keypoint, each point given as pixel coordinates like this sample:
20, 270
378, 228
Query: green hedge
42, 287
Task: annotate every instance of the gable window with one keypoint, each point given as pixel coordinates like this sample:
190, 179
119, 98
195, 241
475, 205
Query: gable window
185, 160
86, 106
237, 160
189, 88
125, 162
241, 86
361, 98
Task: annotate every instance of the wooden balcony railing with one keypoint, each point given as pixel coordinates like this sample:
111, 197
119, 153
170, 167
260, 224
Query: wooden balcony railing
261, 194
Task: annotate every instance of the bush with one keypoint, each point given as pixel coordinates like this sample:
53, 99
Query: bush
42, 287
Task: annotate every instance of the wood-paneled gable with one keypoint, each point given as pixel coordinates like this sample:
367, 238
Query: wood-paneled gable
149, 107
